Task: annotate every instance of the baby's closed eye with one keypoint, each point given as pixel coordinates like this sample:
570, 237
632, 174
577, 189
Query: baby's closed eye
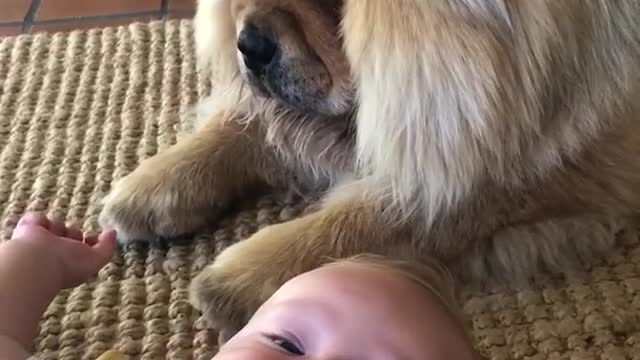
286, 343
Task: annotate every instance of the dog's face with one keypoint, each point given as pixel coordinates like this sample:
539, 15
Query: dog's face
290, 50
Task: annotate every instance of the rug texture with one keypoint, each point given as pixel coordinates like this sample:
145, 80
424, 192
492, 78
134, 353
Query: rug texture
80, 110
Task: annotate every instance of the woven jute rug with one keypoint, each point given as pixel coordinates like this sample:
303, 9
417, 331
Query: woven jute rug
80, 110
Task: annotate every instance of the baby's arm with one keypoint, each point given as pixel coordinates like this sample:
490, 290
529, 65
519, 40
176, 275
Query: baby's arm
42, 258
29, 281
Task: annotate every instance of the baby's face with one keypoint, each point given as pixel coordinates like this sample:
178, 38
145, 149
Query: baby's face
348, 311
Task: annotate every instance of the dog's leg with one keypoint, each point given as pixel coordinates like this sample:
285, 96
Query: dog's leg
246, 274
230, 290
178, 190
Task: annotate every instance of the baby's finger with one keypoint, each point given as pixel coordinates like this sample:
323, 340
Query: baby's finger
31, 232
58, 228
96, 256
104, 248
74, 233
34, 218
90, 240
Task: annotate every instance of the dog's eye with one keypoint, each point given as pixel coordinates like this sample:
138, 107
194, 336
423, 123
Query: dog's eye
289, 346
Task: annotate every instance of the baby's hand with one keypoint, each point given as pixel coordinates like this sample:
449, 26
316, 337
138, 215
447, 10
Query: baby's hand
77, 257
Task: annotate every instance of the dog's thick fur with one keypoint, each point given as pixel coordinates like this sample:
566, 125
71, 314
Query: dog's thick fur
498, 137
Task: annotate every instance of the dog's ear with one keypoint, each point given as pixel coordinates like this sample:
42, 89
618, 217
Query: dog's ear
428, 93
215, 38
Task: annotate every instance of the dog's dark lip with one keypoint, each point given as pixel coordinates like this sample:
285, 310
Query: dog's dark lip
257, 85
261, 89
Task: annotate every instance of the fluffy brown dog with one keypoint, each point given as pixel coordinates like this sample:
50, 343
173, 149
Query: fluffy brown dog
500, 137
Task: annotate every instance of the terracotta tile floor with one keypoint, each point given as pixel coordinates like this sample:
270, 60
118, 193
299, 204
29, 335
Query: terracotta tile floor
30, 16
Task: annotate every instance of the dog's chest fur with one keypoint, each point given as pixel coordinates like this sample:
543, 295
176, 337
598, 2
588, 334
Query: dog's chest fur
323, 146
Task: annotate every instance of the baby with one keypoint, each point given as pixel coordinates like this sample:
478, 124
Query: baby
42, 258
366, 307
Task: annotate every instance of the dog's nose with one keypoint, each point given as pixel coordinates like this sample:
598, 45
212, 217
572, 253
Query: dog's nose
257, 49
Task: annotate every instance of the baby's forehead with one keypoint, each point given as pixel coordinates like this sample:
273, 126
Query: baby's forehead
362, 275
375, 271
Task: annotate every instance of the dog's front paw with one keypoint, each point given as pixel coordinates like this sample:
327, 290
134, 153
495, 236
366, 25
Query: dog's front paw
152, 206
225, 298
244, 276
228, 295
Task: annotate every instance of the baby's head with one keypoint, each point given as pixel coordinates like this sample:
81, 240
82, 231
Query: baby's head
367, 307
